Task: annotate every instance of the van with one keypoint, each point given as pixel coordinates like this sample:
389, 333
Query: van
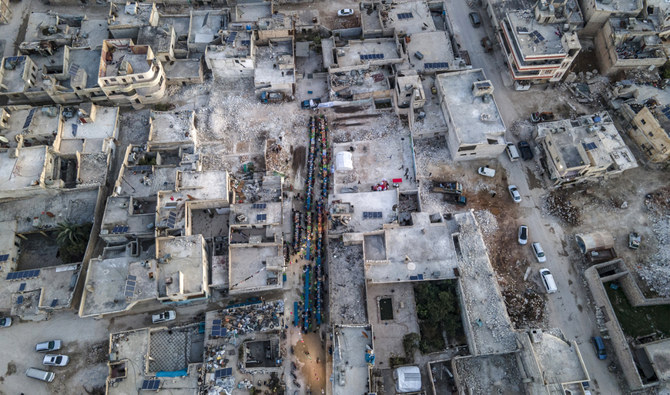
548, 281
599, 345
512, 152
40, 374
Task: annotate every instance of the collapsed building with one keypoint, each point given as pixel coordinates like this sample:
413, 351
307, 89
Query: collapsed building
583, 149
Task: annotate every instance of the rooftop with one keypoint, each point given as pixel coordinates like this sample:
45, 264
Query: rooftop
255, 267
590, 139
13, 68
436, 49
525, 30
203, 185
474, 118
275, 63
158, 38
617, 6
172, 128
136, 360
89, 137
560, 360
409, 17
122, 58
131, 14
403, 253
38, 125
479, 374
183, 269
205, 26
91, 35
83, 60
116, 281
25, 170
137, 214
658, 354
351, 372
235, 45
369, 51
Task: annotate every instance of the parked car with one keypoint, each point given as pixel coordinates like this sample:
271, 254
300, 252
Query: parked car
456, 199
512, 152
523, 234
475, 19
634, 240
310, 103
55, 360
514, 192
548, 281
51, 345
40, 374
599, 345
539, 252
345, 12
526, 151
165, 316
5, 322
487, 171
537, 117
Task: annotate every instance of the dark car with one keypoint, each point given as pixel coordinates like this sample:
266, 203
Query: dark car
526, 152
475, 19
599, 345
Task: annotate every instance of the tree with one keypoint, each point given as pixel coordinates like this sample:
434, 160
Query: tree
72, 239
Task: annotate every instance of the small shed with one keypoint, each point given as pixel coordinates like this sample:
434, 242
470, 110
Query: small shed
408, 379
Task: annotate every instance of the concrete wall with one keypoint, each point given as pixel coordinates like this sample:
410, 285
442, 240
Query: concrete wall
617, 337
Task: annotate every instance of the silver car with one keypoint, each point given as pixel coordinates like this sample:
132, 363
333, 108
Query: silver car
539, 252
51, 345
514, 192
55, 360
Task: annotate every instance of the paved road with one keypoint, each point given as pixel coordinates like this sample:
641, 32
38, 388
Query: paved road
568, 309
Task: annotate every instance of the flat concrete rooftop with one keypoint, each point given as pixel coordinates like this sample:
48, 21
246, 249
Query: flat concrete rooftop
350, 370
474, 118
39, 124
184, 267
87, 135
254, 267
204, 185
123, 54
356, 51
480, 374
409, 17
551, 43
560, 361
172, 127
402, 253
275, 63
12, 77
659, 355
615, 6
435, 48
23, 171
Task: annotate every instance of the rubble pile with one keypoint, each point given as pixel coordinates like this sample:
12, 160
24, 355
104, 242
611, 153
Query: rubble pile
524, 309
487, 222
522, 128
252, 318
558, 204
656, 270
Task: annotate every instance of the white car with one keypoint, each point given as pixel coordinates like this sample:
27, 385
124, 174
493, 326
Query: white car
514, 192
55, 360
51, 345
487, 171
5, 322
548, 281
345, 12
539, 252
523, 234
165, 316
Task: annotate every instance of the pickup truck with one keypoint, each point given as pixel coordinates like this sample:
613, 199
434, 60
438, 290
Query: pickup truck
310, 103
271, 97
165, 316
456, 199
526, 152
450, 187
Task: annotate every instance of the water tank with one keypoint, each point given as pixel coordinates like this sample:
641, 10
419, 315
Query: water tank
594, 241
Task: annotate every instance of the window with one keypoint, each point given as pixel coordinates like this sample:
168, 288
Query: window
651, 134
642, 121
141, 77
492, 141
467, 148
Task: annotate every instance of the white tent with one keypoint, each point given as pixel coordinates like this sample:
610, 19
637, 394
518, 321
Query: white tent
343, 161
409, 379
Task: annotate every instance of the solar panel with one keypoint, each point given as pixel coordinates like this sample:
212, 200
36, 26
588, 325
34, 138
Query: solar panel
259, 205
420, 276
10, 276
131, 277
150, 384
74, 129
216, 322
261, 217
29, 118
19, 300
246, 42
413, 278
22, 287
73, 69
125, 229
231, 37
54, 303
4, 257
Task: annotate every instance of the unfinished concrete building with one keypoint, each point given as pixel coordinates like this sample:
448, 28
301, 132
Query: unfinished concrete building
648, 117
587, 148
275, 66
475, 128
598, 12
126, 20
536, 50
129, 74
234, 57
629, 43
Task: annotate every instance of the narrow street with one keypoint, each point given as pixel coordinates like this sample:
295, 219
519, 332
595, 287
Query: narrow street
568, 309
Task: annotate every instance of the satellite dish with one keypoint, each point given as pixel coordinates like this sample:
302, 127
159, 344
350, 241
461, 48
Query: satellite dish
411, 266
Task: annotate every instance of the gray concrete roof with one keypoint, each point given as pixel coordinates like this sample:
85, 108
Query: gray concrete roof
465, 111
349, 349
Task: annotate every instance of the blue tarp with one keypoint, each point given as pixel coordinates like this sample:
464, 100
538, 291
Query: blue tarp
176, 373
